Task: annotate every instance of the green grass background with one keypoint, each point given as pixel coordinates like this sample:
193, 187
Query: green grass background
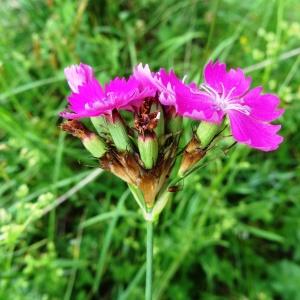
69, 231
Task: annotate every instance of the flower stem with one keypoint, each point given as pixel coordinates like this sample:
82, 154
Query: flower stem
149, 260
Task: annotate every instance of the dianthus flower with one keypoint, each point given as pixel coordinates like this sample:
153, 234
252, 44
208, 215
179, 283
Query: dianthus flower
249, 111
90, 99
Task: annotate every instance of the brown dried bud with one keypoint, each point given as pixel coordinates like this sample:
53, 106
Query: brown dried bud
191, 155
123, 165
75, 128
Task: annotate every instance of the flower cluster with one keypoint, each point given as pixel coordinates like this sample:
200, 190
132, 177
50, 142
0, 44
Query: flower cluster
143, 153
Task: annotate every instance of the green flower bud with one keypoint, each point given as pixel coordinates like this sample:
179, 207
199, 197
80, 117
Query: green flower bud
206, 131
148, 147
175, 124
90, 140
99, 124
94, 145
118, 132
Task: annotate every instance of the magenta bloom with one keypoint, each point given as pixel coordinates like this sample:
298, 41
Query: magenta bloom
90, 99
168, 86
249, 111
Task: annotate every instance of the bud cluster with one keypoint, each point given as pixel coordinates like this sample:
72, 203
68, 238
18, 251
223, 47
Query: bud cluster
142, 155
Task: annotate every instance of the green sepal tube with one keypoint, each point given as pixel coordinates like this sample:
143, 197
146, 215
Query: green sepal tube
174, 124
206, 131
148, 148
99, 124
118, 132
94, 145
160, 128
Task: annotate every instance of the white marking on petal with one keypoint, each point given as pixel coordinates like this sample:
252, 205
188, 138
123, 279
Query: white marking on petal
225, 102
97, 104
87, 106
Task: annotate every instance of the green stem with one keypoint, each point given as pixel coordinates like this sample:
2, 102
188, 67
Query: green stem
149, 260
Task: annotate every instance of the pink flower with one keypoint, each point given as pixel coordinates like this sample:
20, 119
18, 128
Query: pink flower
167, 85
90, 99
249, 111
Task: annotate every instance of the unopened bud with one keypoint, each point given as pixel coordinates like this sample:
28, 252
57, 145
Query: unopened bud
99, 124
118, 132
206, 132
90, 140
148, 148
94, 145
174, 122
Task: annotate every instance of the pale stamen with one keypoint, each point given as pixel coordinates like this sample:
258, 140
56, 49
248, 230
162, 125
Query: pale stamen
225, 102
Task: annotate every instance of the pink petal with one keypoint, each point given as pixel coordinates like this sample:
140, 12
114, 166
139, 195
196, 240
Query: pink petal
263, 106
78, 75
73, 116
198, 107
144, 76
246, 130
213, 73
129, 93
162, 81
88, 93
172, 88
120, 93
234, 81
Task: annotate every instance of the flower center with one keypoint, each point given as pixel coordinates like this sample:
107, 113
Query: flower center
146, 121
225, 101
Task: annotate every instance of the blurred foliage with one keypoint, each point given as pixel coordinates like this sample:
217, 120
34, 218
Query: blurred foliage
232, 232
